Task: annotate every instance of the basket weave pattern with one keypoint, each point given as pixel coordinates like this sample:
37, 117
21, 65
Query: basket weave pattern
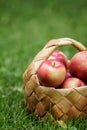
45, 101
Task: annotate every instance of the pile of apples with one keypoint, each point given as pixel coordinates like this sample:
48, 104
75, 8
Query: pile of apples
59, 72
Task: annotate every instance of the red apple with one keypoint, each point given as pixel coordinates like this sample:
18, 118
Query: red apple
78, 65
51, 73
73, 82
60, 56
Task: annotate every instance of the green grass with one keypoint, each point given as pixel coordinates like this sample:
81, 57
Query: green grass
25, 27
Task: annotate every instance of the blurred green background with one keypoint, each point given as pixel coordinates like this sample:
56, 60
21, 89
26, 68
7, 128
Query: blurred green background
25, 27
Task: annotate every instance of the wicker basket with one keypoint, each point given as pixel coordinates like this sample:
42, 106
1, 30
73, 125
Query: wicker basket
45, 101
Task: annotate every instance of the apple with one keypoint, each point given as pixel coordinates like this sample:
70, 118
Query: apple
51, 73
60, 56
78, 65
72, 82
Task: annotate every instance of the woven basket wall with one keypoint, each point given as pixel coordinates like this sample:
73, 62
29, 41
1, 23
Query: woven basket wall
44, 101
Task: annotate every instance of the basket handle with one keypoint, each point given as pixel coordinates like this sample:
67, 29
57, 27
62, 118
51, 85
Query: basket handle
65, 42
52, 45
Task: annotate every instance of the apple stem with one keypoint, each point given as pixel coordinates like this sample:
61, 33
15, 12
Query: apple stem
54, 64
